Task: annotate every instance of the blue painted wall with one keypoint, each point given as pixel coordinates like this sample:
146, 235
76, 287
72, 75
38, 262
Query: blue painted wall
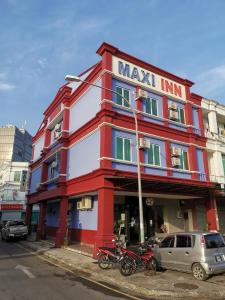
156, 170
83, 157
52, 215
195, 120
124, 165
35, 179
86, 219
181, 173
85, 108
201, 167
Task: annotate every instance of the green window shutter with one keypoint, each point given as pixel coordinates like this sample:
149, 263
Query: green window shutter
224, 165
185, 161
118, 97
150, 155
119, 148
17, 176
127, 149
182, 115
154, 107
148, 106
126, 96
157, 155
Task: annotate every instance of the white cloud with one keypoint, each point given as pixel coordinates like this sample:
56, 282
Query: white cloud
42, 62
6, 86
211, 80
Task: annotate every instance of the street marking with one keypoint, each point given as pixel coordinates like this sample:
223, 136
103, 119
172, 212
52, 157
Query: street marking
25, 270
85, 278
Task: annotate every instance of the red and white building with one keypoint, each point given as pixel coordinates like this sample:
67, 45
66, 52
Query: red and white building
84, 165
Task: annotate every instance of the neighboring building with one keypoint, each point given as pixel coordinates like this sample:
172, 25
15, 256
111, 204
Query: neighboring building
13, 188
214, 122
15, 154
84, 169
15, 144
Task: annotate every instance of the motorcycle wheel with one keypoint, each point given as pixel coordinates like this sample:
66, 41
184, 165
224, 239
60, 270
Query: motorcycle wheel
153, 264
104, 262
127, 267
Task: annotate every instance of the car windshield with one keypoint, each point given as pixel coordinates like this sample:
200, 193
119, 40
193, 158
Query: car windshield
16, 223
214, 241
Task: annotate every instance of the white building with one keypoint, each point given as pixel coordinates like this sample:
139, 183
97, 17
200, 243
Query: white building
214, 122
13, 189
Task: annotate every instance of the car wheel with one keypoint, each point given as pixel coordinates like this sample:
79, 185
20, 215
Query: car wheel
199, 272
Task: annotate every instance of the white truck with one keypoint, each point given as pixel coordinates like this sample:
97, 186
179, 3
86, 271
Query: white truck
14, 229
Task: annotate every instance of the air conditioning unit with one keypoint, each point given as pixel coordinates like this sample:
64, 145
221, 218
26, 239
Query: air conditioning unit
176, 162
142, 93
175, 151
58, 127
86, 202
54, 164
79, 205
222, 132
173, 106
38, 186
57, 134
144, 144
173, 115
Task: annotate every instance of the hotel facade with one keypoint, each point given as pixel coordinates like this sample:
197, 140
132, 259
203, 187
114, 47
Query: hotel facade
84, 167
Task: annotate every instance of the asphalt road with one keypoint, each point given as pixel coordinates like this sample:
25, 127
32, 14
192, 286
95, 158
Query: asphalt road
25, 276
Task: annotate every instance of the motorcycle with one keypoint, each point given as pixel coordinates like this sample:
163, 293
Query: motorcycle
131, 261
108, 257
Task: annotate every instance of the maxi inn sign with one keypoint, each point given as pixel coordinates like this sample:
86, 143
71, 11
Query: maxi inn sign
150, 80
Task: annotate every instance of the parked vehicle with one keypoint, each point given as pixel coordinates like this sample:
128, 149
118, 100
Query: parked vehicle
108, 257
199, 253
13, 229
132, 261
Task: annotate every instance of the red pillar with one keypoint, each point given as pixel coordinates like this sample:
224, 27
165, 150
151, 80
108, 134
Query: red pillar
41, 222
206, 164
106, 79
168, 158
188, 116
165, 111
200, 120
66, 118
193, 162
105, 231
47, 138
61, 231
106, 145
211, 211
29, 216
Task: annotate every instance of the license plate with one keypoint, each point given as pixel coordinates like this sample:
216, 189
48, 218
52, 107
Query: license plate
218, 258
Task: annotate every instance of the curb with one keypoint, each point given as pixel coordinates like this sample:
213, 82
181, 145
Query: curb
112, 281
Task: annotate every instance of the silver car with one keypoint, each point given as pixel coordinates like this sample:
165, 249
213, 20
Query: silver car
199, 253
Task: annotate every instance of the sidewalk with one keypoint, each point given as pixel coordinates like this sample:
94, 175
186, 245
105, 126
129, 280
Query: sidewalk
168, 284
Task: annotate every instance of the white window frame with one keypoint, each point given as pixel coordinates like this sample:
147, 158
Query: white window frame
124, 138
123, 101
157, 106
160, 162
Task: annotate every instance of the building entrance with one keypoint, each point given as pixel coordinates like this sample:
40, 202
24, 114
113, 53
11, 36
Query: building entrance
127, 221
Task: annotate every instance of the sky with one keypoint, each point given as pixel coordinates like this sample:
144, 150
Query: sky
43, 40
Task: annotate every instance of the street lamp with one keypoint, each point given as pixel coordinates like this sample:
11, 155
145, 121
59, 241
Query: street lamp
72, 78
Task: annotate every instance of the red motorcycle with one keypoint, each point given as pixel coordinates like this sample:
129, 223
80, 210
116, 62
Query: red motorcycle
108, 257
131, 261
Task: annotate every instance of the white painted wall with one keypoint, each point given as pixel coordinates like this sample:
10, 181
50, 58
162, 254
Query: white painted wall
38, 146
